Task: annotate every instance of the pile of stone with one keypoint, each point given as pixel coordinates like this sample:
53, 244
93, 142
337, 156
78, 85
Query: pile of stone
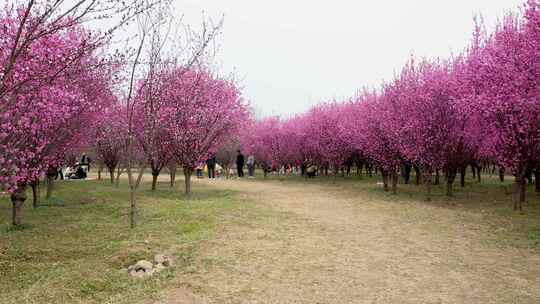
144, 268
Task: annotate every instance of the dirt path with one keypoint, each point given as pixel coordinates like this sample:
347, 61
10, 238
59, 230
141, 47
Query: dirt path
326, 246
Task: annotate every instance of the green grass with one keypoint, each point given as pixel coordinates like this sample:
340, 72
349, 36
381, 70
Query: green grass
72, 248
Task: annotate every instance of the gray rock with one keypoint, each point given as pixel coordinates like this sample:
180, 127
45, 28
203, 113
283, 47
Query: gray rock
137, 274
143, 265
163, 260
159, 267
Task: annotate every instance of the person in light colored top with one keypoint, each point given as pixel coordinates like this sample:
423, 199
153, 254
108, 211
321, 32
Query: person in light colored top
251, 166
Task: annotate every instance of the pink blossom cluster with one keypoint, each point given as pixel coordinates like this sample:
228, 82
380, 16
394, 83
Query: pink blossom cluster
442, 114
188, 118
50, 93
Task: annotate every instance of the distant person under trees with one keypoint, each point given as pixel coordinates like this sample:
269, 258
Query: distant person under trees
240, 164
251, 166
211, 165
85, 161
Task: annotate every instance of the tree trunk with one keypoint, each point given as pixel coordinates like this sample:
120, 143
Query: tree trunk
100, 168
111, 173
537, 180
418, 175
187, 176
437, 177
519, 192
17, 199
450, 177
462, 172
395, 178
172, 173
384, 175
118, 173
35, 193
501, 174
50, 186
479, 174
427, 180
133, 212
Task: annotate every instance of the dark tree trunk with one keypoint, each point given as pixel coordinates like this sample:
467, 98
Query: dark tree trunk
462, 172
395, 178
406, 168
384, 175
418, 175
450, 177
154, 181
118, 173
427, 181
537, 180
437, 177
172, 174
51, 175
473, 170
133, 212
501, 174
111, 174
155, 174
370, 170
187, 176
17, 199
519, 192
35, 193
100, 168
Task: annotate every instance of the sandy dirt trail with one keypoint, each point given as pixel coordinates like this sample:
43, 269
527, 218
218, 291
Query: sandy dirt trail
325, 245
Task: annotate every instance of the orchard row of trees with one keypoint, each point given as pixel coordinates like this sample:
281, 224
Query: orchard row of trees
62, 93
439, 115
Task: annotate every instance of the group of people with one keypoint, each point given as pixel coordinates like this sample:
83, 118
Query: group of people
214, 170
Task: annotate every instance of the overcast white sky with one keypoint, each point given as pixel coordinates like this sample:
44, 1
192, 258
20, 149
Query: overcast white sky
293, 54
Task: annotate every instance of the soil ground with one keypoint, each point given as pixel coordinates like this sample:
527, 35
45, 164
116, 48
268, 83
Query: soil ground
330, 244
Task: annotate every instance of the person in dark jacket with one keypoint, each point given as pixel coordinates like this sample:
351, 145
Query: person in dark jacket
240, 164
211, 165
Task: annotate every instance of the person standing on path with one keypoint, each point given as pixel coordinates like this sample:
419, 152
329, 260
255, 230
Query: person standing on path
240, 164
251, 166
211, 164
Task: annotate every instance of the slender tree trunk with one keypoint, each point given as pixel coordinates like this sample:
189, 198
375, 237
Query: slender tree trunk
450, 177
111, 174
133, 216
118, 173
17, 199
172, 173
417, 175
501, 174
384, 175
519, 192
462, 172
265, 171
427, 180
100, 168
537, 180
473, 170
187, 176
437, 177
395, 178
50, 184
35, 193
479, 173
